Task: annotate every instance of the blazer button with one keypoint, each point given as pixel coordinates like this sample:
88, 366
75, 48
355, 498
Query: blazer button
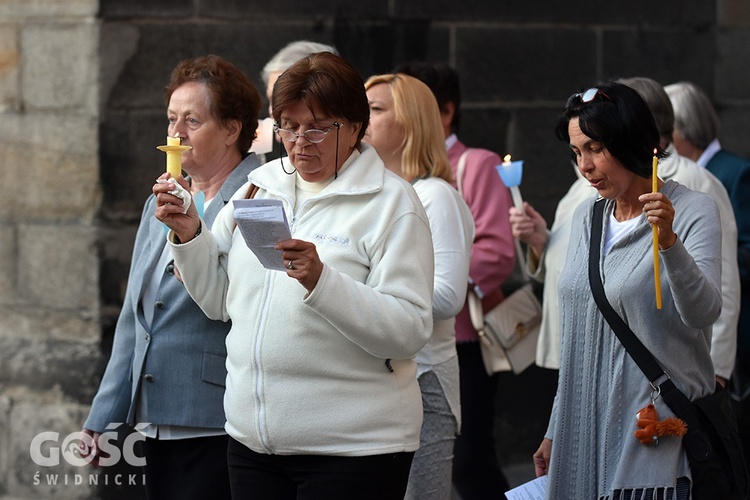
159, 304
148, 377
148, 337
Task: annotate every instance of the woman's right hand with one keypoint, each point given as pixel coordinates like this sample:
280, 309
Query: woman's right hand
541, 457
89, 447
530, 227
169, 208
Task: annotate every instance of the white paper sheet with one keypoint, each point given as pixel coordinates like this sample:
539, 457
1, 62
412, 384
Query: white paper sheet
263, 223
535, 489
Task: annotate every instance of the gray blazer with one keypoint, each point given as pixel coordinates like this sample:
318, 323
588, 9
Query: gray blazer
182, 356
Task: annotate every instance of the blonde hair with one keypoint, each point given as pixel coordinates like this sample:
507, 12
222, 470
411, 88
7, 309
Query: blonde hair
418, 114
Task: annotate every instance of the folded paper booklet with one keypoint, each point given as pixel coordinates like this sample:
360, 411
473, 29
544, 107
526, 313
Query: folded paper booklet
263, 223
536, 489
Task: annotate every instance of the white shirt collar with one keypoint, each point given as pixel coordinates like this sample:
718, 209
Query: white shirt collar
450, 141
709, 153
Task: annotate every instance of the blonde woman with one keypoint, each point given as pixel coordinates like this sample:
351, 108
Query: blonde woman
406, 131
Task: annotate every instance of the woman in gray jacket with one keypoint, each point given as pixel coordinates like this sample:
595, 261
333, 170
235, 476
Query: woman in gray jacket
167, 369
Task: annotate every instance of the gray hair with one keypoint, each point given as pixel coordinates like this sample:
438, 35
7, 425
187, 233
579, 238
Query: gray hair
292, 53
694, 115
658, 102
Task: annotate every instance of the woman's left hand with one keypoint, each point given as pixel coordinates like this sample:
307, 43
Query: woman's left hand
659, 211
302, 262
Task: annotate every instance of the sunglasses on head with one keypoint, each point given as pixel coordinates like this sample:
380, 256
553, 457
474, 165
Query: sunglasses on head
590, 94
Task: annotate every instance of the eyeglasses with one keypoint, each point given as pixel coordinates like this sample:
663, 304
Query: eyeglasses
317, 136
312, 135
590, 95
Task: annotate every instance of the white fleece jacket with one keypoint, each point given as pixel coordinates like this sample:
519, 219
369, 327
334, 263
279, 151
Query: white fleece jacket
330, 372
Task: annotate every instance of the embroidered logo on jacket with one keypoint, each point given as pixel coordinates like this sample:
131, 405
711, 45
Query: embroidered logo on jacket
330, 239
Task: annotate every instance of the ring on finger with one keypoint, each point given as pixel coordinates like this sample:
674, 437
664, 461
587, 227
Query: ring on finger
289, 265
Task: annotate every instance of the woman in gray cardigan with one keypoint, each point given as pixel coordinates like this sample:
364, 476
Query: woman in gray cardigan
589, 450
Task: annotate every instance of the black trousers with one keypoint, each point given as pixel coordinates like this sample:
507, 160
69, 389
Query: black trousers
476, 473
313, 477
187, 468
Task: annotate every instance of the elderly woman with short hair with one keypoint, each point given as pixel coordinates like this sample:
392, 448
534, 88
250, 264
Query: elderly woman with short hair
322, 396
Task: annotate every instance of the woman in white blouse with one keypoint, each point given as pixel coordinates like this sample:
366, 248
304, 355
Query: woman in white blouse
406, 131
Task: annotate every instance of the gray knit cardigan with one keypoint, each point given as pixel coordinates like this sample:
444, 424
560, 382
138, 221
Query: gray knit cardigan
600, 389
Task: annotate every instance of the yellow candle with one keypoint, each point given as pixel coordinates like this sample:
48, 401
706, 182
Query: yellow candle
174, 151
655, 232
174, 158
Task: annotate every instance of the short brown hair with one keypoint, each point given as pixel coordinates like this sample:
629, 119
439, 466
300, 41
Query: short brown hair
232, 96
328, 82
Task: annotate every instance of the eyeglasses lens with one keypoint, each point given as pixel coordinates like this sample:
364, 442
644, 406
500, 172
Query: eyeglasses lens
589, 95
313, 135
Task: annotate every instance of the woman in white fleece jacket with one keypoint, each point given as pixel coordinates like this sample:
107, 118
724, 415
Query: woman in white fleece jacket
322, 399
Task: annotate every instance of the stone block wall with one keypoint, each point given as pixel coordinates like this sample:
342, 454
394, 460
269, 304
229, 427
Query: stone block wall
81, 85
49, 257
518, 63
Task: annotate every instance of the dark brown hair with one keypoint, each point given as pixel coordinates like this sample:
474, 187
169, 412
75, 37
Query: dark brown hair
442, 80
232, 96
327, 82
618, 117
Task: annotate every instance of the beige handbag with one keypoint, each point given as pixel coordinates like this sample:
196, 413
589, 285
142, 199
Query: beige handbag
509, 331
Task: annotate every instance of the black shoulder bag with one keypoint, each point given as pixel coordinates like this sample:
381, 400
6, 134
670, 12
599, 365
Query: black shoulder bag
712, 442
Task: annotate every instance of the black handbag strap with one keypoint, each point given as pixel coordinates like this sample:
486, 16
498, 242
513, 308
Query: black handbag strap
675, 399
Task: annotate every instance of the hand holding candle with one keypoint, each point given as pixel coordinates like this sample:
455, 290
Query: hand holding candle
655, 232
511, 173
174, 155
